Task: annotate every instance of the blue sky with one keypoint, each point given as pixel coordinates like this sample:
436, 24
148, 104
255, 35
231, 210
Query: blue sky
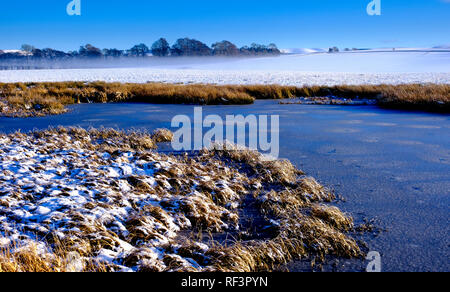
290, 24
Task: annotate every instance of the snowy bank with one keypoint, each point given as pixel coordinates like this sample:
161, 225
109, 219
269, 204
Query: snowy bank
106, 199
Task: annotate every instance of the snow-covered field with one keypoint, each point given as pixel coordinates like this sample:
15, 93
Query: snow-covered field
368, 67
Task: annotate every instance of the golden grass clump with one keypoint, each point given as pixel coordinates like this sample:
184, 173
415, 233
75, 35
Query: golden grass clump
313, 191
45, 259
205, 214
417, 97
162, 135
333, 216
28, 260
303, 226
256, 255
105, 139
269, 170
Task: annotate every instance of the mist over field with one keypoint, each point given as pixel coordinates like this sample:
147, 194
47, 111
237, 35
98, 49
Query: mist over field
365, 67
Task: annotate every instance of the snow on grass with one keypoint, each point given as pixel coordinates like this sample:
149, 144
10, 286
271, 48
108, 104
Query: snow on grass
68, 195
53, 185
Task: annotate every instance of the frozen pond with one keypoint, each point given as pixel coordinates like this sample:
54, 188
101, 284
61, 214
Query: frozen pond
389, 165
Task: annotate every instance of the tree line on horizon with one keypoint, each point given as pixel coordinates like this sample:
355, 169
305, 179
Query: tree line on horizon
160, 48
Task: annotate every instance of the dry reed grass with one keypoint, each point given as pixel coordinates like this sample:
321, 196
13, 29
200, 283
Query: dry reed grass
305, 224
47, 258
38, 99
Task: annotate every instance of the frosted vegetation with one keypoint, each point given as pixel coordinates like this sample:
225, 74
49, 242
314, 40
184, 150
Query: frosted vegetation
103, 200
